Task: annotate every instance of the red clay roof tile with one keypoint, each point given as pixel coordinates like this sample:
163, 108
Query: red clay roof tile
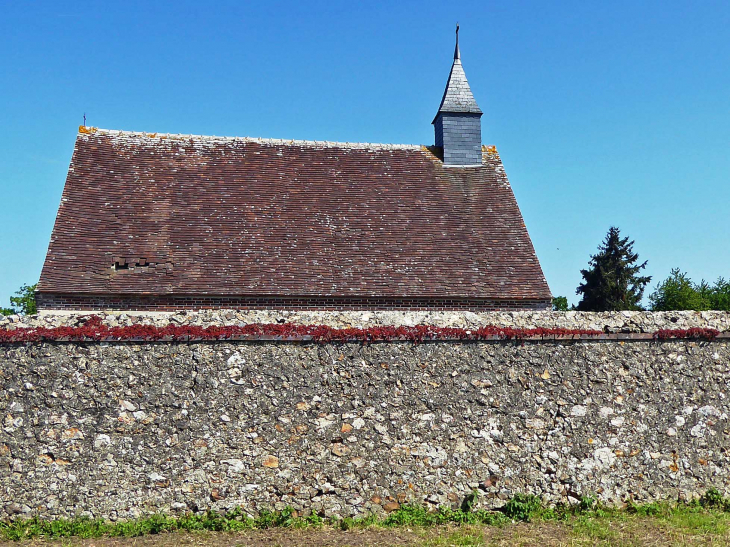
171, 214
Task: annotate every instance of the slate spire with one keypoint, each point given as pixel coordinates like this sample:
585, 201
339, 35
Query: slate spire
457, 123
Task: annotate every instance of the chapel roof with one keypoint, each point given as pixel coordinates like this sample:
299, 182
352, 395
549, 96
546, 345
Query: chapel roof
146, 213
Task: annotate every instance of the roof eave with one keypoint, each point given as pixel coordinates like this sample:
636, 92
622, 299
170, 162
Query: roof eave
479, 113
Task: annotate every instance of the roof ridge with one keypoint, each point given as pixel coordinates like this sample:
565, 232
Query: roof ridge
86, 130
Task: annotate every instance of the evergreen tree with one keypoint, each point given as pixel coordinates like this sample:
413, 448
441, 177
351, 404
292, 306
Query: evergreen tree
612, 282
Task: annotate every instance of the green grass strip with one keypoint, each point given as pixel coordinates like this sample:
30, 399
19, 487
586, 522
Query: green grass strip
520, 508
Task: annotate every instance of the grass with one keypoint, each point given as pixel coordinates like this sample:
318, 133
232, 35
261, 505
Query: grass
524, 520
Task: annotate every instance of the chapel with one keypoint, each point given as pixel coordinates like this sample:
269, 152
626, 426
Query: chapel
152, 221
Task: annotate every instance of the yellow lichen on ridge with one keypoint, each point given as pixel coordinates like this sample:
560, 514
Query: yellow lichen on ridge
87, 130
430, 152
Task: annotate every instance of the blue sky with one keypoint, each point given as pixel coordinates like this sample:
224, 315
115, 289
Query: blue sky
604, 113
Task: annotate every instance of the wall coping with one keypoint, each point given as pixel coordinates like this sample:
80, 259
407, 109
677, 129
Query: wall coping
609, 322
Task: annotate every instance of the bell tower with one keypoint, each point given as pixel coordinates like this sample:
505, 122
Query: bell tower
457, 124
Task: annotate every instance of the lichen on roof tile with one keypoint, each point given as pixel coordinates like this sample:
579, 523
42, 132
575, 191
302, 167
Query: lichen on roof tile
206, 140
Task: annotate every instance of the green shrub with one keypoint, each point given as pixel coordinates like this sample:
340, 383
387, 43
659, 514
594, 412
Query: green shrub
23, 302
522, 507
713, 499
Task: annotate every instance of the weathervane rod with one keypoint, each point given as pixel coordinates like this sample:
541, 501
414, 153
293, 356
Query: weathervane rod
457, 55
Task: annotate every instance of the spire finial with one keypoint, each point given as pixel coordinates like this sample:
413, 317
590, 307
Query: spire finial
457, 55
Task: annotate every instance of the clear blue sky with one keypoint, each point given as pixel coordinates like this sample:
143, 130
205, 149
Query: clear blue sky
604, 113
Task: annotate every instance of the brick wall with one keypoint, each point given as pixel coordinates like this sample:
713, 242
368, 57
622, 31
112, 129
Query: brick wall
58, 301
460, 135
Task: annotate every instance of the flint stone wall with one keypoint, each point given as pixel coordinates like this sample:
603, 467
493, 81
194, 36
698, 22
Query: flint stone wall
117, 430
612, 322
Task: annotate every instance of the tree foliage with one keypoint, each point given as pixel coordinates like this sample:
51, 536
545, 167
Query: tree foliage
23, 302
560, 303
678, 292
612, 281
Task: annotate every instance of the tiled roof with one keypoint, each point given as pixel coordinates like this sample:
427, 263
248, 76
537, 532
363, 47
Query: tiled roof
175, 214
458, 96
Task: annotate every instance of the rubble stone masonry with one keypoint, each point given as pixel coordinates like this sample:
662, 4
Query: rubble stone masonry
117, 430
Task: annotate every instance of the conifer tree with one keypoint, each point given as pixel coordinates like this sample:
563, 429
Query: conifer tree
612, 281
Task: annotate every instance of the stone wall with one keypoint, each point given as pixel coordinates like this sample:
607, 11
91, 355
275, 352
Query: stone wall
117, 430
613, 322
